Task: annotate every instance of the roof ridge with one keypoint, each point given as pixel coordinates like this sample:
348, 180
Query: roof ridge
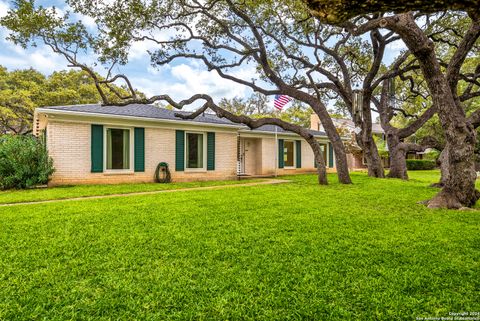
72, 105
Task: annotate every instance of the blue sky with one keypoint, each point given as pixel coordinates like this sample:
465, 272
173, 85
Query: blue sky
180, 79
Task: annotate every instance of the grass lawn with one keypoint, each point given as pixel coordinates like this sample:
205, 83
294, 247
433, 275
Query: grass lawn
72, 191
274, 252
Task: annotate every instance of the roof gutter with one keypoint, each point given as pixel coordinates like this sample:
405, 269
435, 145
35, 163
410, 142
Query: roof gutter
253, 131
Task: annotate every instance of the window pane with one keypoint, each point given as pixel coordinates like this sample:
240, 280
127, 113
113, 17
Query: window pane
118, 148
194, 150
288, 153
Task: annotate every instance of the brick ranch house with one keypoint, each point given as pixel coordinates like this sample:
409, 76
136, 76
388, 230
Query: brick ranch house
94, 144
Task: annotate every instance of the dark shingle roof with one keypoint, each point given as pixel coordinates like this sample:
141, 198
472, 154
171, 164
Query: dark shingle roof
350, 125
139, 110
271, 128
151, 111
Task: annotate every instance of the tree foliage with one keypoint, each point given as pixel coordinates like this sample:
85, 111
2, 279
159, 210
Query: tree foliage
340, 11
257, 106
21, 91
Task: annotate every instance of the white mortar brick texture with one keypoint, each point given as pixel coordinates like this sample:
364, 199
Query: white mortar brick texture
69, 146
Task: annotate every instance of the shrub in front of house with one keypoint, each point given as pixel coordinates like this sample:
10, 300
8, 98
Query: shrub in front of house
431, 155
24, 162
420, 164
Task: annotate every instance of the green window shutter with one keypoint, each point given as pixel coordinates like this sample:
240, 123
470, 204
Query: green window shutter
298, 148
180, 150
280, 154
139, 149
211, 151
330, 155
97, 148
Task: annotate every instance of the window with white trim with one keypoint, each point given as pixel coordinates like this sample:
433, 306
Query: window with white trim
195, 151
118, 149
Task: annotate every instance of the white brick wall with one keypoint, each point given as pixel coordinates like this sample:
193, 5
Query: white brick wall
269, 157
69, 146
269, 150
307, 156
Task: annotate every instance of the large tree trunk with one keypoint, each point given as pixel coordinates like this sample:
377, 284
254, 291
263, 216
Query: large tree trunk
443, 162
398, 154
397, 148
373, 159
459, 189
398, 159
398, 151
341, 163
318, 154
459, 185
366, 142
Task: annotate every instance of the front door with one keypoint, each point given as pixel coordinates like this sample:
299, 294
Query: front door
247, 158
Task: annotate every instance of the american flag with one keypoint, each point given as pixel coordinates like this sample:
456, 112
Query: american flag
280, 101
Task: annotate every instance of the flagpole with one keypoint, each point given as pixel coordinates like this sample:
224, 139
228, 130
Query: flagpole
276, 151
279, 102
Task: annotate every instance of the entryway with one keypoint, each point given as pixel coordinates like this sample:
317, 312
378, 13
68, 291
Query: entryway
249, 156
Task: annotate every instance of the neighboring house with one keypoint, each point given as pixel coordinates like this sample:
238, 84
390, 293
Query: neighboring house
355, 157
98, 144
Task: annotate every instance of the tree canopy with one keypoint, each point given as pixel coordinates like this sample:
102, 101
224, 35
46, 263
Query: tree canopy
339, 11
21, 91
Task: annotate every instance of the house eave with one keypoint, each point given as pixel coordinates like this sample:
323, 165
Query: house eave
254, 132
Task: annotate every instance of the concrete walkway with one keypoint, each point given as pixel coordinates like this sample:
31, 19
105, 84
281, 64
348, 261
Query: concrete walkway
267, 182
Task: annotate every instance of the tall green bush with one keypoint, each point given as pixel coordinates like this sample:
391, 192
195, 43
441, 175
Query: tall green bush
420, 164
24, 162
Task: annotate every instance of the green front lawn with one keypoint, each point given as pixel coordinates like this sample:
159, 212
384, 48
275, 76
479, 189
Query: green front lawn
273, 252
72, 191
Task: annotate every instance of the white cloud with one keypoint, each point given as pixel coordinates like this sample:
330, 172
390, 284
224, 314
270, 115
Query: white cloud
40, 58
3, 8
88, 21
201, 81
393, 50
183, 81
12, 62
156, 71
139, 50
15, 57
